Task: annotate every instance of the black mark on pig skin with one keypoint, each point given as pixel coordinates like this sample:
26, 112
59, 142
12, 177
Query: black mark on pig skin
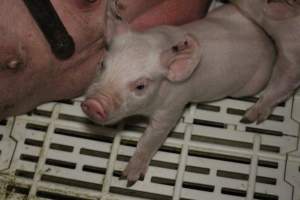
6, 107
91, 1
43, 12
175, 48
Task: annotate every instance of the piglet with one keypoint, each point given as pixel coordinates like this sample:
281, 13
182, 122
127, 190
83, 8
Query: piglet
157, 72
281, 20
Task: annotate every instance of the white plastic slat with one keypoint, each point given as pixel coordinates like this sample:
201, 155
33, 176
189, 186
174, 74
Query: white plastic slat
7, 144
210, 170
231, 112
26, 166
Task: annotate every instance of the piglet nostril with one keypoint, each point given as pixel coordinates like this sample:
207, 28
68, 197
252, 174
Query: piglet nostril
84, 107
94, 109
100, 114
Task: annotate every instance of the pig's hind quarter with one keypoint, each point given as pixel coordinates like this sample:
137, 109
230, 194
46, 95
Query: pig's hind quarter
238, 57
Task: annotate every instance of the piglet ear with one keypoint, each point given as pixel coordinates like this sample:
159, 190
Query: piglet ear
280, 10
113, 22
182, 59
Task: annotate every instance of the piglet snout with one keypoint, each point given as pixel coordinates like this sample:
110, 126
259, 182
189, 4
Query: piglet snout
94, 109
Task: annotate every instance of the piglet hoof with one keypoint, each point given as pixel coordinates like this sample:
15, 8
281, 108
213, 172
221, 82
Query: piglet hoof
245, 120
130, 183
264, 115
257, 113
135, 170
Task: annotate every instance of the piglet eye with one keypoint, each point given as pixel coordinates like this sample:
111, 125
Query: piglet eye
140, 87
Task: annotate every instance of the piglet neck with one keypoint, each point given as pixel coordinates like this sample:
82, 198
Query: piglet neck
164, 37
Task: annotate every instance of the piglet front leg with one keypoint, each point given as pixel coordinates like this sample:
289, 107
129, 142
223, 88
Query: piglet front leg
156, 133
284, 81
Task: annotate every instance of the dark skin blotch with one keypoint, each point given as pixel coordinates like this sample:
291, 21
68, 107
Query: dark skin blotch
106, 46
91, 1
8, 107
175, 49
3, 66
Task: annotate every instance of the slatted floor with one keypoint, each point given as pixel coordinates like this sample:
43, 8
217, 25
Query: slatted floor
55, 152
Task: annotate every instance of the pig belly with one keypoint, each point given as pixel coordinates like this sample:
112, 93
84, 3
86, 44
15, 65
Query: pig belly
40, 76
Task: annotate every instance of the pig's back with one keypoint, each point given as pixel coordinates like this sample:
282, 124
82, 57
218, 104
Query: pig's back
237, 55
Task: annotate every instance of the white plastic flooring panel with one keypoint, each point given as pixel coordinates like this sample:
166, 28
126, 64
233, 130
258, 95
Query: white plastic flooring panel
56, 153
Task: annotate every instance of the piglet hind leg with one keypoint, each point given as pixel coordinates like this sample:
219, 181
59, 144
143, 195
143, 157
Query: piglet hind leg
284, 81
156, 133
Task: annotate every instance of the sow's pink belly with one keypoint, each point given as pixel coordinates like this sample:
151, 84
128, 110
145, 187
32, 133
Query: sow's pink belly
39, 76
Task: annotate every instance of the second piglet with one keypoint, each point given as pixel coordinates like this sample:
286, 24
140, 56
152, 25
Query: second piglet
281, 20
157, 72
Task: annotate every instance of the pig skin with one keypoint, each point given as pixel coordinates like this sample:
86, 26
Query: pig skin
224, 54
31, 75
281, 20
